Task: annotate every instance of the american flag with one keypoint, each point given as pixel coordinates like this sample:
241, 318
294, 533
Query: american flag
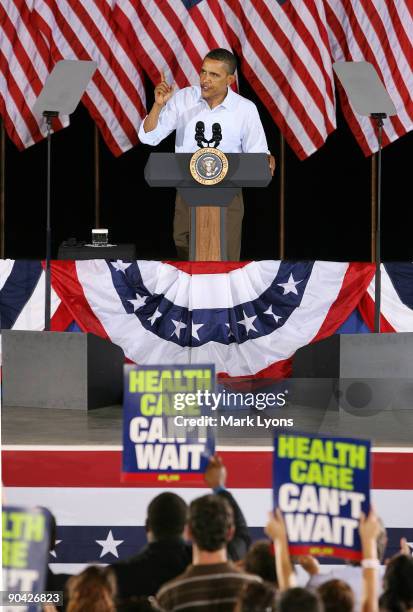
286, 58
25, 62
396, 298
284, 47
22, 287
247, 319
172, 35
101, 520
39, 33
380, 32
85, 30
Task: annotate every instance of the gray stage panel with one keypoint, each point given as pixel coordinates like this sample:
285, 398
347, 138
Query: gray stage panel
61, 370
376, 356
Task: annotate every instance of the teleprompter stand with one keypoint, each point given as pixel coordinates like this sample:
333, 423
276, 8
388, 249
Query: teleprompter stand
60, 95
374, 372
60, 370
369, 98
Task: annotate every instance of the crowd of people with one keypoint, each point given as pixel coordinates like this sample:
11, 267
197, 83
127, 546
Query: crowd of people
201, 559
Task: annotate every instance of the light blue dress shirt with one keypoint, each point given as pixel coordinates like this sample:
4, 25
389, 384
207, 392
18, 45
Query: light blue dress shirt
242, 130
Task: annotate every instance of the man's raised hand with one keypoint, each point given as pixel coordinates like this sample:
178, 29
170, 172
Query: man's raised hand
275, 527
163, 91
215, 473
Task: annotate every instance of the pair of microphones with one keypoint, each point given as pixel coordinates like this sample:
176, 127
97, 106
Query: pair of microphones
200, 135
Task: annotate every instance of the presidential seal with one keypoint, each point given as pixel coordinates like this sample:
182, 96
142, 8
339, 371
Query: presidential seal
209, 166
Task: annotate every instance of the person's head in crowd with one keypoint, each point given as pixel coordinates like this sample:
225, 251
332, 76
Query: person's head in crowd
210, 523
260, 560
53, 532
398, 585
93, 589
257, 597
166, 518
298, 600
337, 596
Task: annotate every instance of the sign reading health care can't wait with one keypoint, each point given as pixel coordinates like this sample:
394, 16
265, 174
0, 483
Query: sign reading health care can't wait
25, 545
321, 485
165, 436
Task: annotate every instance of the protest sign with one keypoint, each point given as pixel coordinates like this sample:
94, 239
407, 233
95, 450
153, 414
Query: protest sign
321, 485
25, 547
166, 437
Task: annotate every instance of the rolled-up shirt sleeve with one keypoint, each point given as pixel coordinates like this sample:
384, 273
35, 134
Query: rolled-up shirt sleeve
253, 135
166, 124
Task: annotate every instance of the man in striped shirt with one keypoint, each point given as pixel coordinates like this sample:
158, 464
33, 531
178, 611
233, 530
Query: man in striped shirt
212, 582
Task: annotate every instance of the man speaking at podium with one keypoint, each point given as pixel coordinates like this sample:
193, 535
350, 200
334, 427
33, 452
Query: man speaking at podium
211, 107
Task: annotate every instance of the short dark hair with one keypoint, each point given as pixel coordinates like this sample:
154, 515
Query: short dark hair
260, 560
223, 55
398, 584
167, 515
298, 600
256, 597
52, 525
210, 519
337, 596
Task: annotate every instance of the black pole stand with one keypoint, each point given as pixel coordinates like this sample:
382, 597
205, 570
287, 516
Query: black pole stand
378, 117
49, 115
369, 98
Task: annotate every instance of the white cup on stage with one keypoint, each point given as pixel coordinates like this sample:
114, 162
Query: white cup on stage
99, 237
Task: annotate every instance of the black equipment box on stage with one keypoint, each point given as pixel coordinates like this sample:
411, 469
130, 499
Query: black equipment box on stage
362, 374
357, 356
124, 252
63, 370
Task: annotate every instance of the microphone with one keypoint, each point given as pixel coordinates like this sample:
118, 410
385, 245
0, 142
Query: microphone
199, 133
216, 134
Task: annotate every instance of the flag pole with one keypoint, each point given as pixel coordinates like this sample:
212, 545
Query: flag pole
378, 117
282, 199
49, 116
373, 176
97, 176
2, 187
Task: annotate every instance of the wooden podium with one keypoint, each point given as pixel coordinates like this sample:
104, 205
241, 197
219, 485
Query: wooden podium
207, 202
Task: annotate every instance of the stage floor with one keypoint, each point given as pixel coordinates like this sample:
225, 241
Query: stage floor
103, 426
